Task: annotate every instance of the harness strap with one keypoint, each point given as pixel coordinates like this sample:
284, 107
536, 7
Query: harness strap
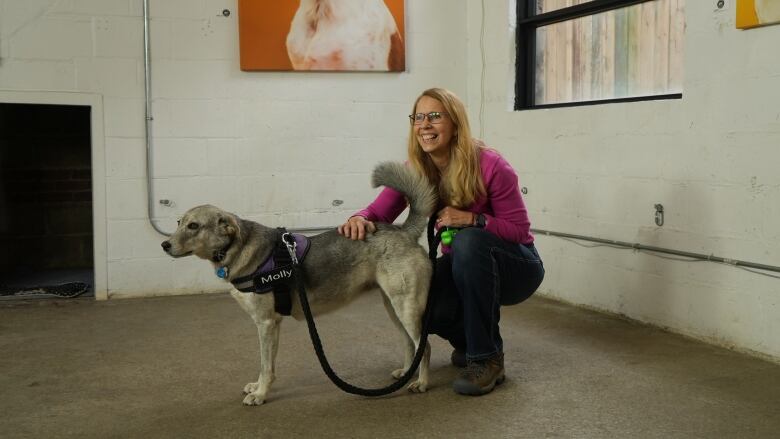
276, 273
282, 299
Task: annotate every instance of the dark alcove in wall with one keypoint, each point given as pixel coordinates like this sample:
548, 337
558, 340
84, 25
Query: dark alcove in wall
46, 234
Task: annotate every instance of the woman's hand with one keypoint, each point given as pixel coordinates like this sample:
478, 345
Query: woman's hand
452, 217
356, 227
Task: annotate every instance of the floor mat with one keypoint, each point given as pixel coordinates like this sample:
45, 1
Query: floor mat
67, 290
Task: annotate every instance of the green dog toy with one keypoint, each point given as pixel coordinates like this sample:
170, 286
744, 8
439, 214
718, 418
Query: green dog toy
448, 235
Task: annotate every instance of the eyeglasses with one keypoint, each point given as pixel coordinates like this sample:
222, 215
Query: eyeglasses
433, 117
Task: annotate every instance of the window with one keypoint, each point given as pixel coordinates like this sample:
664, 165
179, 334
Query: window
579, 52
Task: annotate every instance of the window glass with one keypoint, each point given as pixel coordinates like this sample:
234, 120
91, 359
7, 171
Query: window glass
627, 52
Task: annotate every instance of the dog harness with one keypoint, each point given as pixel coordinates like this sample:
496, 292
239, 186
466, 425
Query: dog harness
276, 273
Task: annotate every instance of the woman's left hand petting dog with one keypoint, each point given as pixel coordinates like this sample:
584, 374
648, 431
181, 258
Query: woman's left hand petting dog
337, 269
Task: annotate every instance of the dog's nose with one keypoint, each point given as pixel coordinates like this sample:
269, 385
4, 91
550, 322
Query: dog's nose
166, 246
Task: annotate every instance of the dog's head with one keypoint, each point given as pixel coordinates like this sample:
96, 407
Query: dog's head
204, 231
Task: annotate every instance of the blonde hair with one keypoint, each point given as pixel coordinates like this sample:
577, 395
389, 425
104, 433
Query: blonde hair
461, 184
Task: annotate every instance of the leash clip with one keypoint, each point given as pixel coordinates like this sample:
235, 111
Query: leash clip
292, 246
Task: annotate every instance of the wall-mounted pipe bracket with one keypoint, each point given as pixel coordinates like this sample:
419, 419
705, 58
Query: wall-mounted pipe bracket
659, 215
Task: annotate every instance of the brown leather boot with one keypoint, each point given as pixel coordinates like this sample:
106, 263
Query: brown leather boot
480, 377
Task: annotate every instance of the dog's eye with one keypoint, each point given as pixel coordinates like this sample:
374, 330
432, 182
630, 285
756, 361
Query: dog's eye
193, 226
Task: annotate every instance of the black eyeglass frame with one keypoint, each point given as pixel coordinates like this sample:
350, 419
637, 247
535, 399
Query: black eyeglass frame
437, 114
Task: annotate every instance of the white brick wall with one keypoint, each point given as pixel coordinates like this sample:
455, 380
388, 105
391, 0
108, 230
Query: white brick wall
280, 147
710, 159
123, 156
274, 147
54, 75
65, 39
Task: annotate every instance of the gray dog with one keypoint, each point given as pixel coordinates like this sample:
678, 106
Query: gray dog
336, 269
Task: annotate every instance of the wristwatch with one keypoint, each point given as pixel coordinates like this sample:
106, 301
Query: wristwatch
481, 221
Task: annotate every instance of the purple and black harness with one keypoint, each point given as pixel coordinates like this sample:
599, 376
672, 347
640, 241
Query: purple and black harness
276, 273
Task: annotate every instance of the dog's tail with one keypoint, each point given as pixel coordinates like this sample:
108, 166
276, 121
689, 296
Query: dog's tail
416, 188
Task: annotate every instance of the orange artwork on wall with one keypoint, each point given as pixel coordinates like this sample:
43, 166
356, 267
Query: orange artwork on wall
754, 13
322, 35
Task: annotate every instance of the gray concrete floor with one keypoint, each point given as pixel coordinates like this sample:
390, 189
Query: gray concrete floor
174, 367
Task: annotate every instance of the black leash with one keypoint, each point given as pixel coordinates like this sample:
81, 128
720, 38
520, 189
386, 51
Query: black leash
433, 243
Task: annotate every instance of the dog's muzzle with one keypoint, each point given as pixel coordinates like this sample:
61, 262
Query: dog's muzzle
166, 246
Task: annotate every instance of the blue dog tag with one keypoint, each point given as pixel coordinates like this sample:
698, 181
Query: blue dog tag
222, 272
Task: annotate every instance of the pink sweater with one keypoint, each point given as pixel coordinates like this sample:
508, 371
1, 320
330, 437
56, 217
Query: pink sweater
503, 206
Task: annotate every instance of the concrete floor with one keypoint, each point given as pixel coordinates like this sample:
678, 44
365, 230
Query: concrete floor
174, 367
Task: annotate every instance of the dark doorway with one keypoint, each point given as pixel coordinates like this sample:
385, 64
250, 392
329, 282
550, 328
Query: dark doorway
46, 234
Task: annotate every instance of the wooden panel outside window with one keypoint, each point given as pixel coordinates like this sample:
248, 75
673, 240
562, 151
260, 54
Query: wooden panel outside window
627, 52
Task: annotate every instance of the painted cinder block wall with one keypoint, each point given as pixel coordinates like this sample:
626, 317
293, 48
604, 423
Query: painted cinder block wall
281, 147
286, 149
710, 158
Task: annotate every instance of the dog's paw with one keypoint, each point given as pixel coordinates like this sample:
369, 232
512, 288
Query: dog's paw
418, 386
253, 399
398, 373
250, 387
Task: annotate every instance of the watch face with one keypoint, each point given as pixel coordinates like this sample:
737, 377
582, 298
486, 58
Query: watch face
481, 220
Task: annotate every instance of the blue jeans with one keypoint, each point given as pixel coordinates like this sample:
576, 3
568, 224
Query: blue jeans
481, 273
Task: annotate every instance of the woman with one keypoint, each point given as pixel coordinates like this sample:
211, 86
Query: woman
491, 260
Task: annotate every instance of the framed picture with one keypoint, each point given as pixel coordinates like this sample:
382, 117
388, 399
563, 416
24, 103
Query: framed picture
322, 35
754, 13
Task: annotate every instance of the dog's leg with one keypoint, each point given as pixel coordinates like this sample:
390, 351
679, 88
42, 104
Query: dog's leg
408, 343
268, 332
411, 319
260, 308
409, 309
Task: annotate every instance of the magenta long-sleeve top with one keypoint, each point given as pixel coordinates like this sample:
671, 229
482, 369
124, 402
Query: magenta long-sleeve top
503, 205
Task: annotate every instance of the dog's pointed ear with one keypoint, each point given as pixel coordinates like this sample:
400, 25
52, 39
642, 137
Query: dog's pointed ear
229, 224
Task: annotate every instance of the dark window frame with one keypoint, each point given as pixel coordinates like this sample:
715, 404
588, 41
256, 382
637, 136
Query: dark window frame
525, 46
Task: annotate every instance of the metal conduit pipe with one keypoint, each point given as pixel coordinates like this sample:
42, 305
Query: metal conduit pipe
635, 246
148, 127
150, 205
148, 124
